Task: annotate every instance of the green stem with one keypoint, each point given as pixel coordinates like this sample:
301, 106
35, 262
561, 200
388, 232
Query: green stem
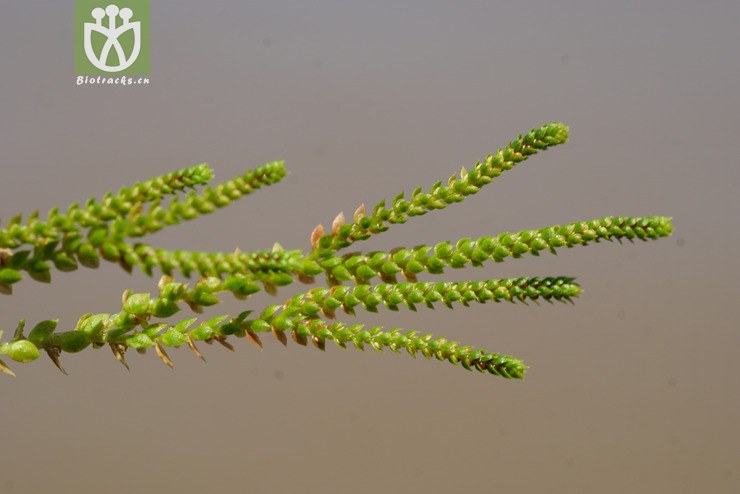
439, 196
328, 300
363, 267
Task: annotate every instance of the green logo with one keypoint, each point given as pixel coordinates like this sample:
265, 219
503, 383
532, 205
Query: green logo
112, 38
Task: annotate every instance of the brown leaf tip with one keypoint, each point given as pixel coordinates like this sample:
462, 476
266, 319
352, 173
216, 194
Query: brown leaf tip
337, 223
359, 213
317, 233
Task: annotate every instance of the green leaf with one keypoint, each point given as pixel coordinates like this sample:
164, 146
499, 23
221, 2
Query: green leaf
88, 256
97, 236
64, 263
73, 341
10, 276
22, 351
164, 308
137, 304
139, 341
18, 259
173, 338
41, 332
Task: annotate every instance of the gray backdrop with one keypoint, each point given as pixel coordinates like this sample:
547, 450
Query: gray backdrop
633, 389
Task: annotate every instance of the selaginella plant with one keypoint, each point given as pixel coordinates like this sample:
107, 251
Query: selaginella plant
109, 229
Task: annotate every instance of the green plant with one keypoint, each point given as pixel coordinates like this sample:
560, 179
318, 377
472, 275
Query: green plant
106, 230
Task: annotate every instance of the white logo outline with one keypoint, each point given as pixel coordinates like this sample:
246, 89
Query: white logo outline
111, 32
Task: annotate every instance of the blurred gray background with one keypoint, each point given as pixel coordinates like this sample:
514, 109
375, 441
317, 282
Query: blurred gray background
633, 389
